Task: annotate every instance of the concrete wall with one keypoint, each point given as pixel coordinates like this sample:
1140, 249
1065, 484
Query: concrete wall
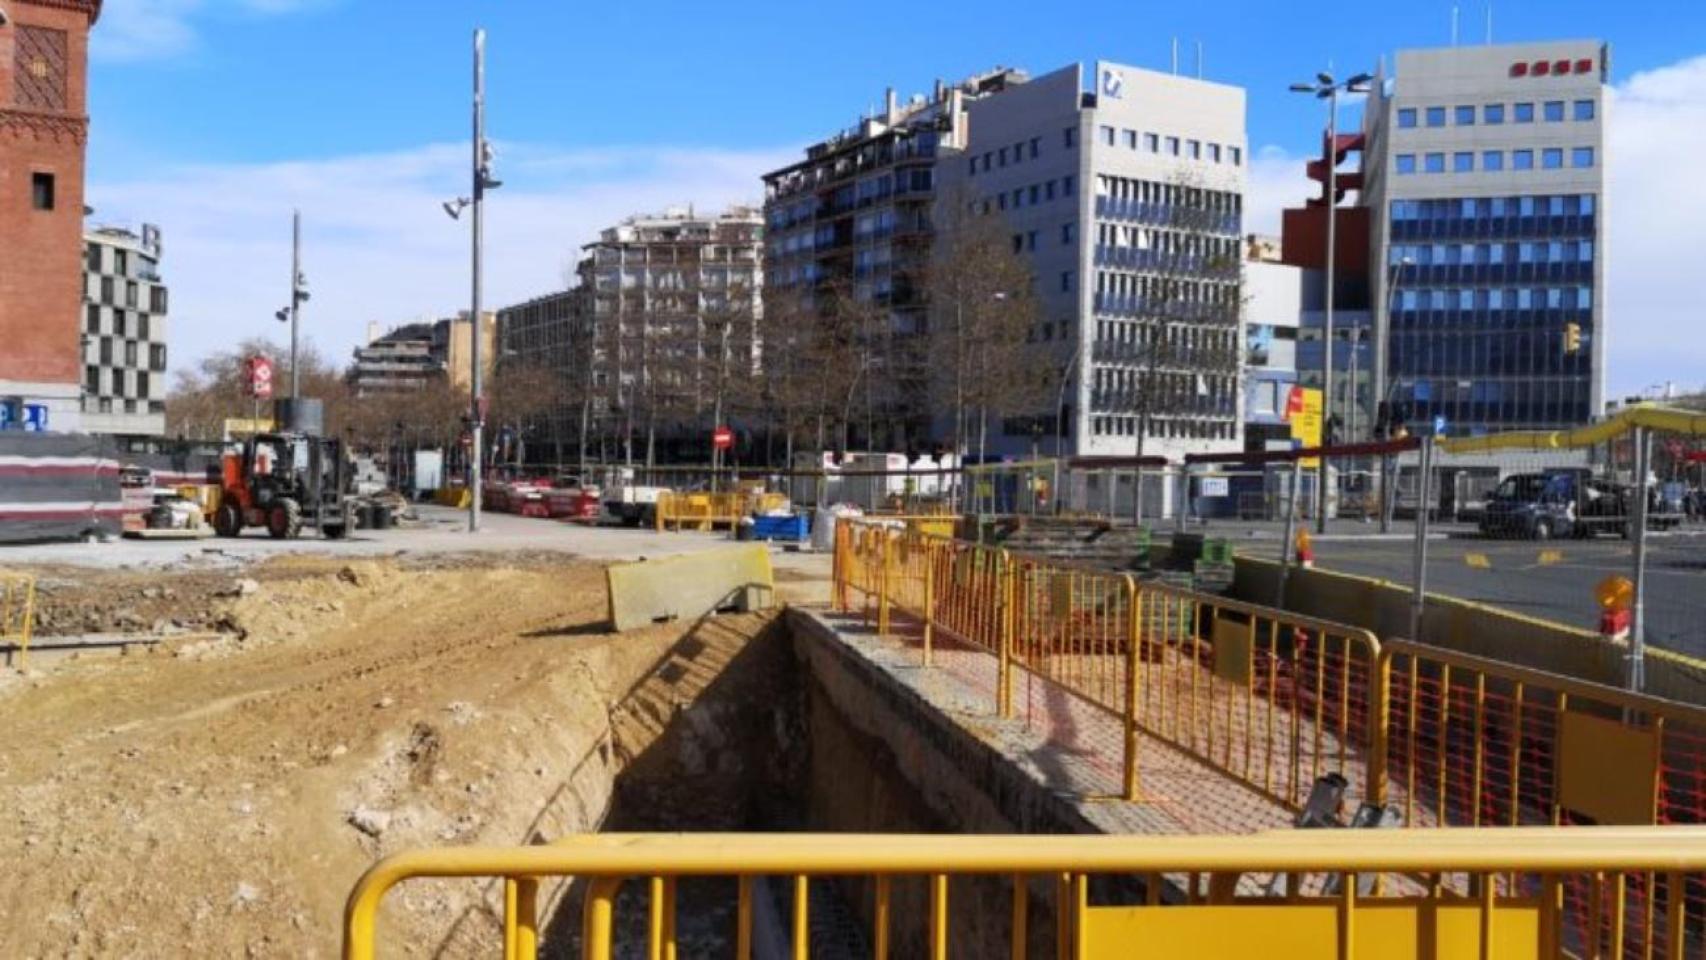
1384, 607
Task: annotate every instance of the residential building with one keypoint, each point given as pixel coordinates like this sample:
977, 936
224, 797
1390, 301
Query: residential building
672, 297
43, 130
1273, 304
554, 333
415, 355
124, 333
1127, 199
856, 218
1486, 193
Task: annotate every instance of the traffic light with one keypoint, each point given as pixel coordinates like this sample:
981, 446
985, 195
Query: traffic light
1572, 337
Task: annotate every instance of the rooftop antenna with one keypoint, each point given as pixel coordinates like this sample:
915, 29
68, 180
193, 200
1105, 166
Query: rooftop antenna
1199, 59
1454, 24
1175, 56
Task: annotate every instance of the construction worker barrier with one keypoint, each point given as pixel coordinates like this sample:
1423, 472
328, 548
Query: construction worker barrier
1273, 699
706, 511
17, 613
689, 586
1108, 896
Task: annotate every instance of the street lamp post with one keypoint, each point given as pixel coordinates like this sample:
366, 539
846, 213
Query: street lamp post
1388, 496
1326, 88
482, 181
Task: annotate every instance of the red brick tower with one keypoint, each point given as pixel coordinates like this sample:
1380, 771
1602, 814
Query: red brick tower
44, 60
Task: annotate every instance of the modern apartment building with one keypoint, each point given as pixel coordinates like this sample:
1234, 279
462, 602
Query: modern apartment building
43, 130
856, 218
124, 333
670, 297
1485, 179
1126, 195
554, 333
415, 355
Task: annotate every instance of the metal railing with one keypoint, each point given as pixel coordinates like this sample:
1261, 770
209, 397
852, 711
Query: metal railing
1106, 895
1272, 699
17, 613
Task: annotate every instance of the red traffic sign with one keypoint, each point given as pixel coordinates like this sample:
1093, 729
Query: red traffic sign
257, 376
722, 438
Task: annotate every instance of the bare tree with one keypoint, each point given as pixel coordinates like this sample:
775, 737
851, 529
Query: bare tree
983, 317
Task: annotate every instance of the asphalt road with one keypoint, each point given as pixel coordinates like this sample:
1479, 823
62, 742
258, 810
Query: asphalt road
1552, 580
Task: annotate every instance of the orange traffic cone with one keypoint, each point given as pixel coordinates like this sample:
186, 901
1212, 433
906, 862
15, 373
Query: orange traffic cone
1305, 550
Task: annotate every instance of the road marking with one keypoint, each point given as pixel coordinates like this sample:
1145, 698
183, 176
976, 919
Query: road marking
1478, 560
1549, 557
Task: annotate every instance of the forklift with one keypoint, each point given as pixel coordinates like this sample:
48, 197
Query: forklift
285, 482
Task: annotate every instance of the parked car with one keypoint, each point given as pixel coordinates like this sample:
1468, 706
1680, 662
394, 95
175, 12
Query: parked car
1537, 506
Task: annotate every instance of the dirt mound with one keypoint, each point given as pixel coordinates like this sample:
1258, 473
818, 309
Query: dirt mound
219, 798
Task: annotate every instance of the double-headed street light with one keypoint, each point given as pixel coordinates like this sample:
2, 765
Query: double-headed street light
1325, 87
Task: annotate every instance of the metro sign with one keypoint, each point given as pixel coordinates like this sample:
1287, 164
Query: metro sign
1553, 68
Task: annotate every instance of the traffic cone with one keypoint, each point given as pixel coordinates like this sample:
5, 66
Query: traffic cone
1305, 550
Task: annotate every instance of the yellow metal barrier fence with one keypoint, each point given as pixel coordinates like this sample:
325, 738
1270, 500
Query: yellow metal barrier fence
705, 511
1273, 699
17, 613
1110, 896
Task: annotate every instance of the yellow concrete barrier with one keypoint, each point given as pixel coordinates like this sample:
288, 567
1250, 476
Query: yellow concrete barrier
690, 585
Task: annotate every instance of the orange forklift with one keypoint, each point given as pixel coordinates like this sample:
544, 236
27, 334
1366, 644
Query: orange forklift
285, 482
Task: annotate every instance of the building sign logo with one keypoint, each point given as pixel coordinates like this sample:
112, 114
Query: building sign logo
1113, 83
1555, 68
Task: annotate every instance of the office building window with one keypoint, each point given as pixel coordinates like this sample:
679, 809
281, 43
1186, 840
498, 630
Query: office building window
1466, 116
130, 353
973, 165
1493, 114
1214, 153
1406, 163
1031, 241
41, 189
1581, 157
1001, 157
1492, 161
1131, 139
1237, 154
1036, 147
1066, 186
1463, 162
1524, 113
1554, 111
1108, 135
1066, 233
1172, 146
92, 323
1193, 149
1436, 116
1584, 110
1434, 163
1069, 137
1406, 118
1066, 281
1522, 159
1552, 158
1048, 190
1152, 142
92, 379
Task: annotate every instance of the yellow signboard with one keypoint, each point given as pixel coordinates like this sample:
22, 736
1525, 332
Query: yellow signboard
1303, 412
243, 426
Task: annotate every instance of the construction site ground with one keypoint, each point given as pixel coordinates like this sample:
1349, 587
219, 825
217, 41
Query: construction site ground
309, 706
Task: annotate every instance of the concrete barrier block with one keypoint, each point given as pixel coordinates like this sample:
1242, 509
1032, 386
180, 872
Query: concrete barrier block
690, 585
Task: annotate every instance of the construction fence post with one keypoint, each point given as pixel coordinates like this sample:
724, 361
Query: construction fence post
1133, 663
1637, 677
1419, 573
1379, 723
1004, 672
1290, 530
929, 599
885, 560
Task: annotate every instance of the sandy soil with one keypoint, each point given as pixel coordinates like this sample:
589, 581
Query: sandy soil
217, 796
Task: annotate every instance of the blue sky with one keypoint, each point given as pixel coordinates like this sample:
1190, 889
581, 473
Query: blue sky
213, 117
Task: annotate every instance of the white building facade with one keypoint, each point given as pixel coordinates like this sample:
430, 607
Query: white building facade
1126, 195
124, 333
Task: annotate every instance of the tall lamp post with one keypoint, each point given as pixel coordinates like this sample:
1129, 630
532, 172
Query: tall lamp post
482, 181
1324, 87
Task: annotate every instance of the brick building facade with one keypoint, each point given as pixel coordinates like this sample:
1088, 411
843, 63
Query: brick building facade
43, 131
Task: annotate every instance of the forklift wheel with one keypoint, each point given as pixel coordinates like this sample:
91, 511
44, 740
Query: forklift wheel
284, 522
228, 520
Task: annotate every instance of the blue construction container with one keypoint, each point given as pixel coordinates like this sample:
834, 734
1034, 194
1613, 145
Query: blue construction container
794, 527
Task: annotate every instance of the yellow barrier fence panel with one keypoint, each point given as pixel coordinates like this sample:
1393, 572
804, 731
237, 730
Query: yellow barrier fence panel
17, 613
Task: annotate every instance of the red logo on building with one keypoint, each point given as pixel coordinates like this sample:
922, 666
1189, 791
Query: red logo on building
1551, 68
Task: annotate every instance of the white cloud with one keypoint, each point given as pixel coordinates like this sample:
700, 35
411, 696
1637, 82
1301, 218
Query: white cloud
377, 246
1657, 202
1657, 205
132, 30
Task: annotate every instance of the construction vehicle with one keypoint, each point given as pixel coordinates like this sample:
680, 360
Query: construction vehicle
285, 482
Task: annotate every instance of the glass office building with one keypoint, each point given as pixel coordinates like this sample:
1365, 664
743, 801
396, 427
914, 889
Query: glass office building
1485, 182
